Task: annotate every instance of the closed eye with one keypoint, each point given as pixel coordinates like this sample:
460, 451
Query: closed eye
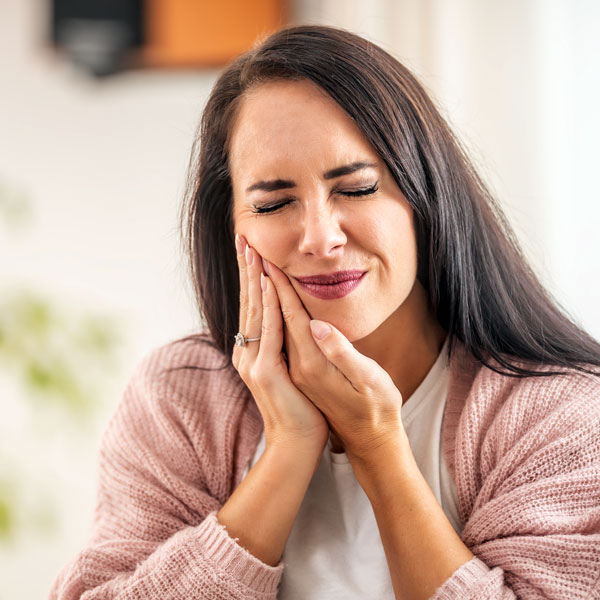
271, 208
261, 210
363, 192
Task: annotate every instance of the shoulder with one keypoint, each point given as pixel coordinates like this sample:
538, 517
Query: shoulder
503, 417
190, 365
494, 414
522, 401
187, 382
515, 435
179, 435
553, 416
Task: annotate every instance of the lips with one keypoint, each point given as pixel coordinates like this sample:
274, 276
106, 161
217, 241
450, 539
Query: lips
331, 285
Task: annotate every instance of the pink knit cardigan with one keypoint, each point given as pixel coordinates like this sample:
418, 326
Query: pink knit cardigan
524, 453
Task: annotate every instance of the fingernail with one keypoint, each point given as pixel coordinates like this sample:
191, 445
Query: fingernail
249, 255
320, 329
239, 246
266, 267
263, 282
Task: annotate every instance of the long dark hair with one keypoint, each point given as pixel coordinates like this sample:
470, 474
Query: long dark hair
478, 282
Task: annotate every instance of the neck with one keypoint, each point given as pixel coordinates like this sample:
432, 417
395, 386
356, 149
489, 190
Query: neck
407, 343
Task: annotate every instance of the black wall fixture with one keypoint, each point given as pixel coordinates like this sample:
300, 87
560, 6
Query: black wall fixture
98, 35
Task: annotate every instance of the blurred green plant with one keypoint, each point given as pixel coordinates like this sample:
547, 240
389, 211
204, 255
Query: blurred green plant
15, 206
7, 510
51, 351
59, 358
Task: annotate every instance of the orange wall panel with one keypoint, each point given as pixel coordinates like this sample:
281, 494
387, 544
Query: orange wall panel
206, 32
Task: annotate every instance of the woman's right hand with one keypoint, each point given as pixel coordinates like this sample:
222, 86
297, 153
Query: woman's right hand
290, 419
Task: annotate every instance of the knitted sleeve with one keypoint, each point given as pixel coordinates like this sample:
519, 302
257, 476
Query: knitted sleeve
155, 532
530, 492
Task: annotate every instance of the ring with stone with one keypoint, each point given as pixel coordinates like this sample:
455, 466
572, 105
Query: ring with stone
242, 340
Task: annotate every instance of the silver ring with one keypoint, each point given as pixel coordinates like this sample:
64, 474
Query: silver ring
242, 340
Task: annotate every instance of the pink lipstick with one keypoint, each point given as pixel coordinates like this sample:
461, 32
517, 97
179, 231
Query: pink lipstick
331, 286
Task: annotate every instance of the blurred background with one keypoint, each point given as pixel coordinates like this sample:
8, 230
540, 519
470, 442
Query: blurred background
99, 102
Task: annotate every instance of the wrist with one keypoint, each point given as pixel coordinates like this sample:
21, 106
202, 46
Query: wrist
311, 441
368, 447
371, 464
262, 509
292, 450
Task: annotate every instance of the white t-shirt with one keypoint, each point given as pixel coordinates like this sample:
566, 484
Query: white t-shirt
334, 549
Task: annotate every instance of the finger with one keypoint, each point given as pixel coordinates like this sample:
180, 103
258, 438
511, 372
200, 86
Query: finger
271, 340
360, 370
240, 247
253, 323
295, 317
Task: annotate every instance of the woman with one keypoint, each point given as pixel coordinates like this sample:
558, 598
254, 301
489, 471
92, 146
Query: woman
411, 415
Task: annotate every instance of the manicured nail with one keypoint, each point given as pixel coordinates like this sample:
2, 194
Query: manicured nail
320, 329
249, 255
266, 266
263, 282
239, 245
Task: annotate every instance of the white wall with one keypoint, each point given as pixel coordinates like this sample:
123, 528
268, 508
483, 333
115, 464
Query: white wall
104, 165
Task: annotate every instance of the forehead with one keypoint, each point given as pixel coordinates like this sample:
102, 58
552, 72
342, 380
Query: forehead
289, 124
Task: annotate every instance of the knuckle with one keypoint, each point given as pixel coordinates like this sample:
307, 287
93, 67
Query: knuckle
303, 372
254, 373
310, 370
336, 354
270, 328
369, 383
370, 378
269, 304
252, 312
288, 315
241, 366
259, 375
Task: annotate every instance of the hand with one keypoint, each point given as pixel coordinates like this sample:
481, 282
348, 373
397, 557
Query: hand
291, 420
358, 398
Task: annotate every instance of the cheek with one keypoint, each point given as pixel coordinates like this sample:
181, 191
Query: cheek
388, 233
272, 241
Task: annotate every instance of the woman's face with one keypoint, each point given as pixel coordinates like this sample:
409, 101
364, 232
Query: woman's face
312, 196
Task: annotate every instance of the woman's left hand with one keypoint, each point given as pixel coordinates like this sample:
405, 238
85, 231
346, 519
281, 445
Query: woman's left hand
358, 398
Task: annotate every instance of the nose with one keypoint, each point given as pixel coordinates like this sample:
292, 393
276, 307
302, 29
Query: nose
322, 233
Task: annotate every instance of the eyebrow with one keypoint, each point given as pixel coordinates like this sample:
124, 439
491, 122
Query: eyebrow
284, 184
